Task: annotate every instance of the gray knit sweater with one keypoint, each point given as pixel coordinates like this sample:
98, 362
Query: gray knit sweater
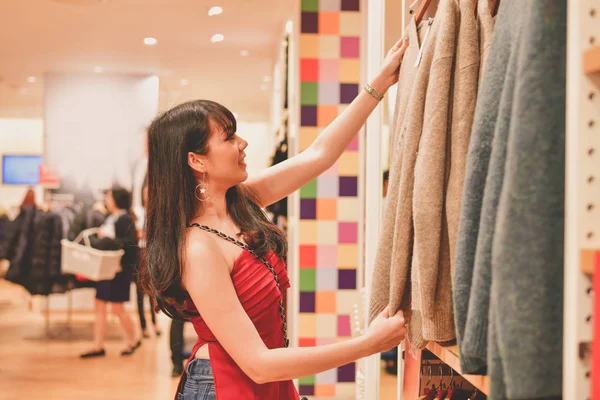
511, 228
473, 353
528, 251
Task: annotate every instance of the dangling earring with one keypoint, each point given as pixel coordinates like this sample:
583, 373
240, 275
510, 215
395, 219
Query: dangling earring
203, 188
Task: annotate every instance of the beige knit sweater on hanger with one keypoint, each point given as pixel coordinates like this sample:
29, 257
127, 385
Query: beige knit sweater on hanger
464, 98
431, 280
392, 270
439, 181
389, 280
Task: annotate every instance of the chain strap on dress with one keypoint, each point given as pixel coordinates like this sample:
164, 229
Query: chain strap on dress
263, 260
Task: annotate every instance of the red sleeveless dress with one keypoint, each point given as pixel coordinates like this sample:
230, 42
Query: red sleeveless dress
258, 294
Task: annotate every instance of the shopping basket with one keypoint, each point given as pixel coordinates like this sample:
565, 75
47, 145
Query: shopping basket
90, 263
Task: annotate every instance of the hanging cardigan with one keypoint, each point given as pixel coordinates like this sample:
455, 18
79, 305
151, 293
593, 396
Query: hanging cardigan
473, 353
466, 74
431, 281
394, 256
389, 281
526, 321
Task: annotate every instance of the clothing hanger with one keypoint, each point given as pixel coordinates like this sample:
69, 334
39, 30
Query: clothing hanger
441, 392
430, 375
428, 394
421, 11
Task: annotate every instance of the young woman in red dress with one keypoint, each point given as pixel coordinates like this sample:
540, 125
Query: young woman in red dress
214, 258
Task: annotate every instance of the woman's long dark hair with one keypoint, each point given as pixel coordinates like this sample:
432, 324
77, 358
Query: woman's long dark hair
172, 203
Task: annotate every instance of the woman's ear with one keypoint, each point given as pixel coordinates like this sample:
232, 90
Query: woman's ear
195, 162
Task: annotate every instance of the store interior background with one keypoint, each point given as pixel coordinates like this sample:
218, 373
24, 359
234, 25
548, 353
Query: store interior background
62, 60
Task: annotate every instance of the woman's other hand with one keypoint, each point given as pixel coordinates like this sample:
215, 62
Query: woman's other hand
386, 332
391, 64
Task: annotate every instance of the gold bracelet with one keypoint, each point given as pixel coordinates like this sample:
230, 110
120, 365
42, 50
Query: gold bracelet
371, 90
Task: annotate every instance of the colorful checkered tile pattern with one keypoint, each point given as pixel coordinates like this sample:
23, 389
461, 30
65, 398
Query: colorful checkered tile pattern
329, 205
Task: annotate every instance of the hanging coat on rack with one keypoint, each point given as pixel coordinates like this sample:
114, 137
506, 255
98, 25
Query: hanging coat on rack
4, 226
19, 241
45, 275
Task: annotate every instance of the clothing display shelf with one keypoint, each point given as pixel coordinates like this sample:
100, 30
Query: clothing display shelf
449, 355
582, 237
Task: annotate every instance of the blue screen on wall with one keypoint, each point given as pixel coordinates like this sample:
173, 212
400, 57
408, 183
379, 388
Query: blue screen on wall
21, 169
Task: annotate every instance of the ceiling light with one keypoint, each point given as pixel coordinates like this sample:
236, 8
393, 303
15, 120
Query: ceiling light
217, 38
150, 41
215, 11
31, 79
184, 82
98, 70
244, 53
266, 78
289, 26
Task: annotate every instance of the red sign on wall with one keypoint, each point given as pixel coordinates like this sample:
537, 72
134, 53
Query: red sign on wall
49, 178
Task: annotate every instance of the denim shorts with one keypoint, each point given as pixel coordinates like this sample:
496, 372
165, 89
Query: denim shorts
198, 382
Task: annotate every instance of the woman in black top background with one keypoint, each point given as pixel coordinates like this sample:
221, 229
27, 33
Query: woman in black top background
117, 232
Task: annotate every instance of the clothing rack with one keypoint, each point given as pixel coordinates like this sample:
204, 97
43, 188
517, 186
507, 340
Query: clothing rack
65, 329
53, 200
582, 216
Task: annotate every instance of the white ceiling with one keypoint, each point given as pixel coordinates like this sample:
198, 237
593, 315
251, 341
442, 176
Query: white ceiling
38, 36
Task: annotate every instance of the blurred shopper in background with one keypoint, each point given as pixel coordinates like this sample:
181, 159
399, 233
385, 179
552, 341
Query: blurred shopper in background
117, 232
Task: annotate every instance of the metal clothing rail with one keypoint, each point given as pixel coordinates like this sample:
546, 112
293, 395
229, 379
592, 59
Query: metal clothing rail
68, 325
